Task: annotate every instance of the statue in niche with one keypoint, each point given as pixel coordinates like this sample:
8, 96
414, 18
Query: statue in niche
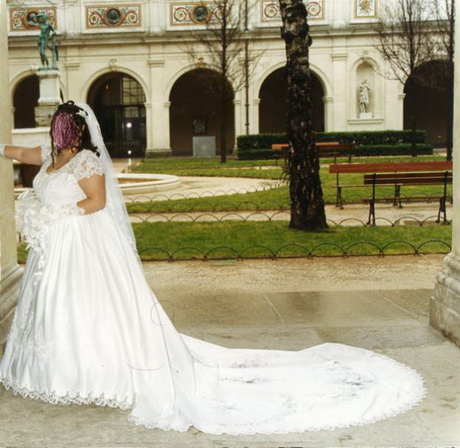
364, 97
47, 40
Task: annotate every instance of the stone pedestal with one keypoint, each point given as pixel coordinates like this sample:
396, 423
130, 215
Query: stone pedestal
445, 303
365, 116
10, 272
49, 96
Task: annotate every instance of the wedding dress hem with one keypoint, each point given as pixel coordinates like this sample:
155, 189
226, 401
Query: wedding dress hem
68, 399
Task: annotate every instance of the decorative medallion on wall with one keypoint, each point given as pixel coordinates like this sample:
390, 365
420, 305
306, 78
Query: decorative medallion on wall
192, 13
270, 10
366, 8
25, 19
110, 16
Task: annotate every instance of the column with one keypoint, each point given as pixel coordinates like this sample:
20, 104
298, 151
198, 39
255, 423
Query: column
239, 123
328, 113
157, 116
339, 106
10, 272
445, 303
255, 116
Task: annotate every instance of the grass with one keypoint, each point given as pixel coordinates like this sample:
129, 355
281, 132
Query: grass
181, 166
273, 199
278, 198
267, 239
227, 240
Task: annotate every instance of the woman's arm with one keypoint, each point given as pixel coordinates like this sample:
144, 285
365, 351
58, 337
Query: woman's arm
30, 156
94, 188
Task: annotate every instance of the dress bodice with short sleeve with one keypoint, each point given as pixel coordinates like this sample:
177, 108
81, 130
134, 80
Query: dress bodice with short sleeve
60, 187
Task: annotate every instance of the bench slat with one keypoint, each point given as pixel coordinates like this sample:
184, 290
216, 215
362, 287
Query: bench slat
435, 178
389, 167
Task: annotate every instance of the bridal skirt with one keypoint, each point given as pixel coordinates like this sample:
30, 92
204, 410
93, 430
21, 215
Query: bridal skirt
89, 330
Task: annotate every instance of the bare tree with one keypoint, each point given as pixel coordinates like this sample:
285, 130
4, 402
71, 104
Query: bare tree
222, 48
404, 40
306, 194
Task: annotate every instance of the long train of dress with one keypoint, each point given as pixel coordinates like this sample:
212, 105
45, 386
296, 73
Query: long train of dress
88, 329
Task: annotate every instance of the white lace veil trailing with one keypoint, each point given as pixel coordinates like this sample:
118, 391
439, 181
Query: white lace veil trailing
115, 203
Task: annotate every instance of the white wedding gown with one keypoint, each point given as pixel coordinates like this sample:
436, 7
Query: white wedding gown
88, 329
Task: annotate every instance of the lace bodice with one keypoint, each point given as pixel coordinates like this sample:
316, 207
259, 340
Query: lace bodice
60, 187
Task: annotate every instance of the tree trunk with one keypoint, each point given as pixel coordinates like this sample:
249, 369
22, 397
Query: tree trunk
411, 85
222, 120
306, 194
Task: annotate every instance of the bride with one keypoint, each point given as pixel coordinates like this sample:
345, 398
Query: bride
88, 329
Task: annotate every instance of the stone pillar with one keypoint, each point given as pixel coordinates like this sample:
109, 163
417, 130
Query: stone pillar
10, 272
50, 96
158, 141
339, 106
445, 303
328, 113
239, 123
255, 116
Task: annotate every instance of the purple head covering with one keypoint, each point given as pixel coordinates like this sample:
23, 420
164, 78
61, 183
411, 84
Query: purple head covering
65, 130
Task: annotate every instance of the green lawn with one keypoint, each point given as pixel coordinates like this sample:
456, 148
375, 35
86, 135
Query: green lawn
177, 241
189, 166
278, 198
268, 239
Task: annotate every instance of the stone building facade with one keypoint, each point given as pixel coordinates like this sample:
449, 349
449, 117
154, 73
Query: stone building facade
128, 61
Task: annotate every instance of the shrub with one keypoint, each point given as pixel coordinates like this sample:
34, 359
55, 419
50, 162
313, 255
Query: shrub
368, 143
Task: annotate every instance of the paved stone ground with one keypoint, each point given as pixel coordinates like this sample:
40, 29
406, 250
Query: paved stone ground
375, 303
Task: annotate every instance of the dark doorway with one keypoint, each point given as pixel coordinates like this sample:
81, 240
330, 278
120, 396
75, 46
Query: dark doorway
432, 101
273, 107
25, 99
195, 112
118, 102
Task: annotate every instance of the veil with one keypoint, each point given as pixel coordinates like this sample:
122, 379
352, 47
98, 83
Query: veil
115, 203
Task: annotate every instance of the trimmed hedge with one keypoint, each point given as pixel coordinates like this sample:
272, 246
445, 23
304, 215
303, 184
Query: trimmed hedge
360, 151
371, 137
368, 143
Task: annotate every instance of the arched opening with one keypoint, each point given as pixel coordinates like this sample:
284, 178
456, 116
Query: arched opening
194, 113
118, 101
25, 98
273, 106
428, 101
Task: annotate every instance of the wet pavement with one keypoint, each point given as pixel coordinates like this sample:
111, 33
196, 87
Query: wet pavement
375, 303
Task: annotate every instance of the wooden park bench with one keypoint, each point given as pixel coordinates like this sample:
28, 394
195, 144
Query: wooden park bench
325, 149
396, 174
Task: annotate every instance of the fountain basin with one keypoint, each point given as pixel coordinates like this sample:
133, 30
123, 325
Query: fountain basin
132, 184
142, 183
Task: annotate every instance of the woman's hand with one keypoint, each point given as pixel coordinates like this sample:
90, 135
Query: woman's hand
94, 188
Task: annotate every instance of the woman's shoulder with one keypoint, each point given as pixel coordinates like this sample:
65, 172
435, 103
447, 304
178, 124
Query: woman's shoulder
87, 163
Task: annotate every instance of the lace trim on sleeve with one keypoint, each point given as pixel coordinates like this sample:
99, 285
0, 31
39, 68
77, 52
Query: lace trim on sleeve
87, 165
46, 153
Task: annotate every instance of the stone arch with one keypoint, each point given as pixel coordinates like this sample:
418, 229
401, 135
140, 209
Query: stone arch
118, 100
97, 75
273, 107
194, 113
429, 100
